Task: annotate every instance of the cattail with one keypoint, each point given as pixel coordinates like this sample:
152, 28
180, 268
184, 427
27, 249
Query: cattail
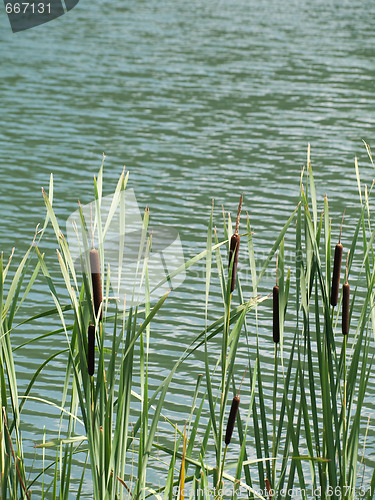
232, 419
276, 322
91, 350
345, 308
345, 302
96, 282
336, 270
336, 274
234, 248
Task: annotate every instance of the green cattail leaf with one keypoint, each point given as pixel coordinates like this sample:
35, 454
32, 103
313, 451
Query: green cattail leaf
206, 357
50, 198
52, 216
120, 188
100, 180
312, 189
16, 280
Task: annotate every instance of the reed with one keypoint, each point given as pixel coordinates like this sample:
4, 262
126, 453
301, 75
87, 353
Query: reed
16, 282
313, 415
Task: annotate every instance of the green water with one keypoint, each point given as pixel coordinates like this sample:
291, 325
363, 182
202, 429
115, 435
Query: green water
199, 100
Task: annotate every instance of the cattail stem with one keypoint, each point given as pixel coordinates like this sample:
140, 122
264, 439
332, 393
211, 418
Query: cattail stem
345, 331
342, 221
346, 300
243, 378
220, 481
224, 356
224, 373
96, 283
274, 417
182, 474
345, 428
239, 214
91, 350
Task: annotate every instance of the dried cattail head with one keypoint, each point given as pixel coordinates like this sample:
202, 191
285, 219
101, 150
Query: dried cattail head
91, 350
96, 282
234, 249
232, 419
276, 321
336, 274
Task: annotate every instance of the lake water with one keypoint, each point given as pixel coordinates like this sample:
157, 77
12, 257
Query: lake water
199, 100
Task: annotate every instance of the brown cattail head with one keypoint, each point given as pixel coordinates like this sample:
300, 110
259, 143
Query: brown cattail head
276, 322
336, 274
345, 308
96, 282
232, 419
234, 249
91, 350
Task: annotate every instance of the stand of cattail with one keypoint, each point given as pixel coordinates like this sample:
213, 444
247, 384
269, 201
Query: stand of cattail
234, 248
336, 270
91, 350
96, 282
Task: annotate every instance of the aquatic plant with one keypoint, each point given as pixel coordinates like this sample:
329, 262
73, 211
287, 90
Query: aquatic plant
305, 432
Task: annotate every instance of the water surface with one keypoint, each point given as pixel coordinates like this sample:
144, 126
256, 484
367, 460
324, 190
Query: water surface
199, 100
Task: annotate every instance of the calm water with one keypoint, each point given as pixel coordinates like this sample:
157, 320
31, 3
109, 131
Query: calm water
200, 100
